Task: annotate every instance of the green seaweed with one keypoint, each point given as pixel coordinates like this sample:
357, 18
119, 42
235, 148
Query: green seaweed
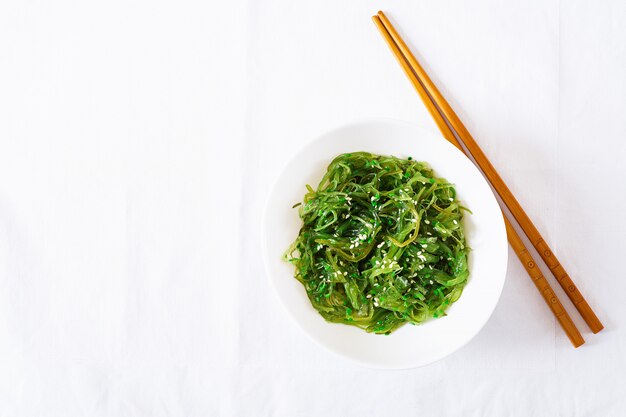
382, 243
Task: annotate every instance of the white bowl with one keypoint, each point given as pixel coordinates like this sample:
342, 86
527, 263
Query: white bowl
410, 346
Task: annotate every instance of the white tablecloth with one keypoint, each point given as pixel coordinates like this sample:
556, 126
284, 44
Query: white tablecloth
137, 143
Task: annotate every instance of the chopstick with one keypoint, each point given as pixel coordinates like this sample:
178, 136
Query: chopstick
396, 45
494, 178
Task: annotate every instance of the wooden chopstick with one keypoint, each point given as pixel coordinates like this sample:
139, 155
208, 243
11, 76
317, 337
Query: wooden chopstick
499, 185
516, 243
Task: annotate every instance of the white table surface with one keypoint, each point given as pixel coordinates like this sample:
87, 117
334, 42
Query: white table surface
137, 143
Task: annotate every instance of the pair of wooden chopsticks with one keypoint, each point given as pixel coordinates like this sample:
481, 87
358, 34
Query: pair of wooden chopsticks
455, 132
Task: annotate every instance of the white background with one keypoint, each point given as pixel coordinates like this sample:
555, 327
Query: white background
137, 143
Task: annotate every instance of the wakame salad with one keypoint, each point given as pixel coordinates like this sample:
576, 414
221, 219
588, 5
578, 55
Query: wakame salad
381, 244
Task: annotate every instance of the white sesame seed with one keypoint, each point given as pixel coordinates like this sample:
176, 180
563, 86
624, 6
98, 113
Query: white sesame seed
431, 281
427, 221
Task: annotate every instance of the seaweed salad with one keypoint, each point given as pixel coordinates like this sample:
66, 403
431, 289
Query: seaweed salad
381, 244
